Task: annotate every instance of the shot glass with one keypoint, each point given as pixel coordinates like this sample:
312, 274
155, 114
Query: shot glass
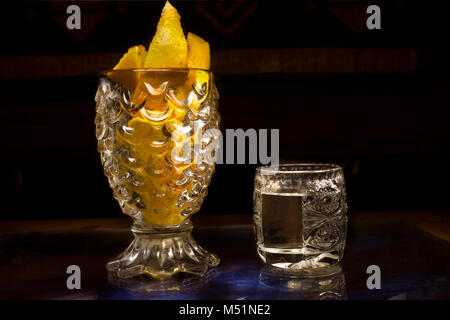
300, 216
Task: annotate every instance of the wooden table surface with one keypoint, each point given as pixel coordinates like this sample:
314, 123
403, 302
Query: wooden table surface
411, 248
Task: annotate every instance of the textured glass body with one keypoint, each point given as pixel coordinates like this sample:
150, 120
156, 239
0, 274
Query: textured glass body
154, 137
300, 217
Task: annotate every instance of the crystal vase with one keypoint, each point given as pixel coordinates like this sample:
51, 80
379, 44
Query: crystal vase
158, 133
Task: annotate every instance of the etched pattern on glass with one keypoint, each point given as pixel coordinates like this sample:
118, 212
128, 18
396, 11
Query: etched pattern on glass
300, 216
123, 148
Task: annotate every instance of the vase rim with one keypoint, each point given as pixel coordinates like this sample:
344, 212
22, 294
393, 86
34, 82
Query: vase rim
153, 70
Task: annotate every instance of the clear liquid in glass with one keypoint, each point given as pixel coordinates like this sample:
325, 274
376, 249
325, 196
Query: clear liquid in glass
288, 237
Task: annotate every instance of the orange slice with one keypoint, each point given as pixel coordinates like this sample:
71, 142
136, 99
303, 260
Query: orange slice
168, 48
133, 59
198, 52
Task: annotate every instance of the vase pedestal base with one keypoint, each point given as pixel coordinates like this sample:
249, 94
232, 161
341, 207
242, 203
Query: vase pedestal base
161, 253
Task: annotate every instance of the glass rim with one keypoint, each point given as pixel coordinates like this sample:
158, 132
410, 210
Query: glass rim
302, 168
153, 70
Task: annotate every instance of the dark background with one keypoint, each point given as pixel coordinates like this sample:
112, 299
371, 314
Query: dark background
374, 101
